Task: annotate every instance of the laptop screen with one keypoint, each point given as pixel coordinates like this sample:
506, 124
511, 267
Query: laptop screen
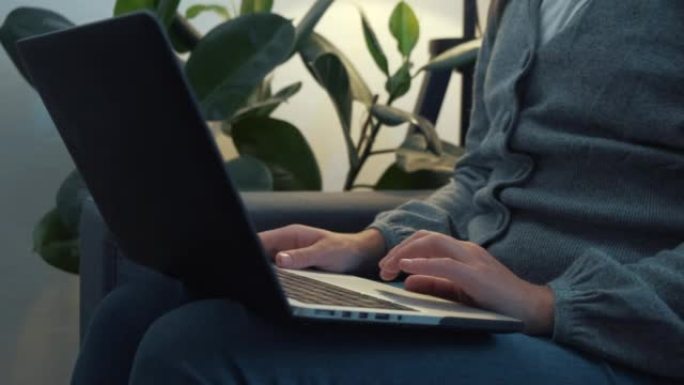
124, 110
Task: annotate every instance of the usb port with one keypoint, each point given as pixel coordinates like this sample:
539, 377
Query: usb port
328, 313
382, 317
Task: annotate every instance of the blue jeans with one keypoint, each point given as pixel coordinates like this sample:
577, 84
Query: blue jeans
157, 334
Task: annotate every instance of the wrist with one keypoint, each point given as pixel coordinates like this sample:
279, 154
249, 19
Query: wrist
372, 243
540, 317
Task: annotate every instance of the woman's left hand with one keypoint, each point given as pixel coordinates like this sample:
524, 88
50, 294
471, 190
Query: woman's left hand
445, 267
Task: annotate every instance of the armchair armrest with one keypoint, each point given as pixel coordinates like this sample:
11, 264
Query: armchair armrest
342, 212
103, 267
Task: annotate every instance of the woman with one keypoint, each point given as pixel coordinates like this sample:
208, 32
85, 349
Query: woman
566, 212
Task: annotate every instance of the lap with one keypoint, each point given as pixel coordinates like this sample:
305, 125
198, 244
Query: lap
117, 327
217, 341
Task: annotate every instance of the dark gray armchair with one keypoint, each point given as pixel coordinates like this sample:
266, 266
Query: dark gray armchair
103, 267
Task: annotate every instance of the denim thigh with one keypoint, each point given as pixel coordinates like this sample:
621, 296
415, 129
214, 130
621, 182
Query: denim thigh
219, 342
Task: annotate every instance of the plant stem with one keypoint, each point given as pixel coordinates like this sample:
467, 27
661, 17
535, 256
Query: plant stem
414, 76
382, 152
365, 153
366, 125
354, 172
371, 141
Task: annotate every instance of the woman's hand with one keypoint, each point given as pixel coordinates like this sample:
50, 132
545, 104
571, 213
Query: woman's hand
301, 247
442, 266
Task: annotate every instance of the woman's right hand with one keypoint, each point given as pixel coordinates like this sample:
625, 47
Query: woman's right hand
301, 247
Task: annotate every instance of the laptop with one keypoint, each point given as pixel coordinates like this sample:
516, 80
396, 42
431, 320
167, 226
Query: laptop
119, 98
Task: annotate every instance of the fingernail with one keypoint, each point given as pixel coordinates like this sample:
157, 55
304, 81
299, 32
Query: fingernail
284, 259
406, 261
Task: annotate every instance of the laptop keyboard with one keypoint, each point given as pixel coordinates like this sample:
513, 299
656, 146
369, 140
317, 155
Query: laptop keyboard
314, 292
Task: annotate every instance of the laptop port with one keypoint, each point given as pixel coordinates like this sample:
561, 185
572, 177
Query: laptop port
382, 317
363, 315
346, 314
328, 313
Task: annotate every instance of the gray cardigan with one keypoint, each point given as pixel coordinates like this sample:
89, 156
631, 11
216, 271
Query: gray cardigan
574, 174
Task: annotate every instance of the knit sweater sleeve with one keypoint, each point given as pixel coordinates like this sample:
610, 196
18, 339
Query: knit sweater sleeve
446, 210
627, 313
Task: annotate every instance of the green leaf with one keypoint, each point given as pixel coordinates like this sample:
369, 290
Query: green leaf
255, 6
395, 178
308, 23
413, 155
266, 107
250, 174
332, 75
399, 84
289, 91
197, 9
374, 46
283, 148
70, 197
405, 28
233, 58
262, 92
56, 243
392, 117
25, 22
459, 57
317, 46
252, 106
122, 7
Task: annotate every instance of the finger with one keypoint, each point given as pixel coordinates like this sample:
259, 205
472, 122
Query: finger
422, 246
300, 258
417, 235
288, 238
426, 284
438, 287
433, 246
446, 268
390, 262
